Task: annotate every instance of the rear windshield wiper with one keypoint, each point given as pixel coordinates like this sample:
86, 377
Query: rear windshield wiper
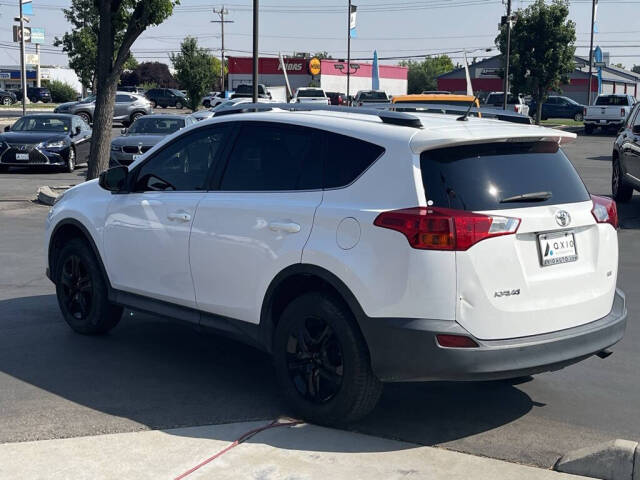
528, 197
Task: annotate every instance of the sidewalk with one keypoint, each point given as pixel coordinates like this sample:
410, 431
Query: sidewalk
298, 452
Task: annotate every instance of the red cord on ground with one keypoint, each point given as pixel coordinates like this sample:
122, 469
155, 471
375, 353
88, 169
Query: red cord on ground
244, 437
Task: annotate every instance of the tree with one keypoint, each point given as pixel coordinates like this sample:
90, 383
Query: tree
424, 75
196, 70
542, 50
635, 68
121, 22
81, 43
62, 92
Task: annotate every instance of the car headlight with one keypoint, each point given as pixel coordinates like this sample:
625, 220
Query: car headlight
54, 144
116, 148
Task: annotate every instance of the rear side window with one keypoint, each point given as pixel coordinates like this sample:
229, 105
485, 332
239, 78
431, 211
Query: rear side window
482, 177
612, 100
346, 158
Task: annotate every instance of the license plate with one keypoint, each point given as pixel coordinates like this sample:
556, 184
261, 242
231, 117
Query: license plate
135, 157
22, 156
557, 248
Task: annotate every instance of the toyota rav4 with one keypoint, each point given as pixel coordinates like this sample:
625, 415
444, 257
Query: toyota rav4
356, 248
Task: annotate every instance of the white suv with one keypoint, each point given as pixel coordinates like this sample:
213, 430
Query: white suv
356, 248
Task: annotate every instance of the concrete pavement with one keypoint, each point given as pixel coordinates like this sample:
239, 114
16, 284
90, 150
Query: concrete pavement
302, 452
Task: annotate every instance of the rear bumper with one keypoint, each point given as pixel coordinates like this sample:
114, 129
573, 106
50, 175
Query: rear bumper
618, 122
406, 349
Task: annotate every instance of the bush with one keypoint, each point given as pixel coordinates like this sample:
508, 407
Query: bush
62, 92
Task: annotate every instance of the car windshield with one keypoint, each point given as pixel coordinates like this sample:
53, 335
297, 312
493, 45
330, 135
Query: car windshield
313, 92
230, 103
42, 124
89, 99
373, 96
612, 100
177, 92
158, 126
499, 98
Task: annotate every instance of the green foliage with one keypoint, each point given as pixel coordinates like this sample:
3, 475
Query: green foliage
635, 68
322, 55
542, 49
196, 70
424, 75
62, 92
148, 85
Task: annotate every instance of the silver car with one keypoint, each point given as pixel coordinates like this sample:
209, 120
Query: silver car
127, 109
143, 134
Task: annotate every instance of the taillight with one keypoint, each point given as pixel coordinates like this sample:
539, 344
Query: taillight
433, 228
623, 112
515, 108
456, 341
584, 112
604, 210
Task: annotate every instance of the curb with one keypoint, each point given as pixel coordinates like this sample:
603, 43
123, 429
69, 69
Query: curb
48, 195
614, 460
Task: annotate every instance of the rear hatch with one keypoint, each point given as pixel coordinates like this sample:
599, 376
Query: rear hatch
608, 107
555, 266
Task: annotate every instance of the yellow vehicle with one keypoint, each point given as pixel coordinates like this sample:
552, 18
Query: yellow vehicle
438, 98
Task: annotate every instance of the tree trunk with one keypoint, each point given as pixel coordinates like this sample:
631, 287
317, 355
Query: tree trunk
105, 98
538, 110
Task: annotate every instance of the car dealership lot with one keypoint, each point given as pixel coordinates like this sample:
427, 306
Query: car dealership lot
150, 373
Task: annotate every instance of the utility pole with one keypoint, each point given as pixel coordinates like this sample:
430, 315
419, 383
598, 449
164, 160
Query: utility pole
348, 51
23, 67
255, 50
38, 80
506, 66
221, 13
593, 20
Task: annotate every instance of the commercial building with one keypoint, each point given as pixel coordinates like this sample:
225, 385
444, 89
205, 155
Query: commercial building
10, 77
486, 77
332, 76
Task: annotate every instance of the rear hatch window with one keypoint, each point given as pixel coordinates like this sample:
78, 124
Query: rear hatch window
612, 100
493, 176
311, 93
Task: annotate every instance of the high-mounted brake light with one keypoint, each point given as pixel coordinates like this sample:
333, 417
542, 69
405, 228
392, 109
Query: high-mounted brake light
604, 210
434, 228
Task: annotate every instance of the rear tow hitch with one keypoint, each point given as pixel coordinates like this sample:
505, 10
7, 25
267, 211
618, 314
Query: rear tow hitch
604, 353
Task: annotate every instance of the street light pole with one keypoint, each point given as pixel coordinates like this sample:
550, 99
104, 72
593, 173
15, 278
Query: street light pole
348, 50
255, 51
506, 67
222, 12
593, 19
23, 67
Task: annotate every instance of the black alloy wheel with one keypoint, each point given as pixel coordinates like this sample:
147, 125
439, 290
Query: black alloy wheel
77, 288
578, 117
85, 116
178, 104
71, 160
621, 192
314, 360
6, 101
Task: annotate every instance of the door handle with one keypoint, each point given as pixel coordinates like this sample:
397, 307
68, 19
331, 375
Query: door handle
180, 216
289, 227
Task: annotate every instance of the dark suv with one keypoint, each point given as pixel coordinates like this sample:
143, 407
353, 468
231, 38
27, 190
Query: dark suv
166, 97
36, 94
626, 159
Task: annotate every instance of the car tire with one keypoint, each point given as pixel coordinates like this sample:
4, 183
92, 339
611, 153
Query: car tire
179, 105
588, 129
70, 166
81, 289
327, 377
6, 101
85, 116
45, 101
135, 116
206, 104
620, 190
578, 117
154, 104
4, 168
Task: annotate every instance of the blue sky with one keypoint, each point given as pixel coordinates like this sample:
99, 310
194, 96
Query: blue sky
394, 28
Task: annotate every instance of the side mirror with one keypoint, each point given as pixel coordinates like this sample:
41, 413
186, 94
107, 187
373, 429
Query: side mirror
7, 128
78, 130
123, 131
114, 178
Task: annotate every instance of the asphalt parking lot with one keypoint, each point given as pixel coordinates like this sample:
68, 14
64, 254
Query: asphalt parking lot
151, 373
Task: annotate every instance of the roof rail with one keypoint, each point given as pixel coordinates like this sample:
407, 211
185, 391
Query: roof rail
390, 117
486, 112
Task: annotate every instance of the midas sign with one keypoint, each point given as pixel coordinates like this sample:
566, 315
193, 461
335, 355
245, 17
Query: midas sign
16, 33
314, 66
291, 66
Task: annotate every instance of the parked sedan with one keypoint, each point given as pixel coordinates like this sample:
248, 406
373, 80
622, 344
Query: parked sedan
45, 139
143, 134
625, 176
558, 106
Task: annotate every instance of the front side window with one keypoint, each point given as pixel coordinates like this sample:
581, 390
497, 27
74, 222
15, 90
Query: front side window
184, 164
274, 157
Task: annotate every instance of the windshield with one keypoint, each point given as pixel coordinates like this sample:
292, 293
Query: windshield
177, 92
485, 176
89, 99
498, 98
156, 126
373, 96
612, 100
230, 103
42, 124
313, 92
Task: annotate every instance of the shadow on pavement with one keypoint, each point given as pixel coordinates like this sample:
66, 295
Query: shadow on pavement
163, 374
80, 170
629, 213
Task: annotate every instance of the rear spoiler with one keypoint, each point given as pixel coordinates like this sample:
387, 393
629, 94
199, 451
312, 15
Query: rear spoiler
485, 112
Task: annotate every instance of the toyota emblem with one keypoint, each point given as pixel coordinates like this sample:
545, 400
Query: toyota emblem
563, 218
